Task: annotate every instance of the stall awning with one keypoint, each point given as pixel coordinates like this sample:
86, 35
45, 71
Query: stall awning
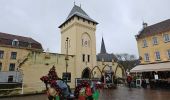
152, 67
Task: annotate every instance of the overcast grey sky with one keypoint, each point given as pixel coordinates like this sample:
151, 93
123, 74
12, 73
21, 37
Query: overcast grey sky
119, 20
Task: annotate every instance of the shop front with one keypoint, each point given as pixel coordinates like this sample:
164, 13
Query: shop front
157, 75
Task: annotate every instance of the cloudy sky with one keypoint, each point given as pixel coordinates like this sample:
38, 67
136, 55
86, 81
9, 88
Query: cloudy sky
119, 20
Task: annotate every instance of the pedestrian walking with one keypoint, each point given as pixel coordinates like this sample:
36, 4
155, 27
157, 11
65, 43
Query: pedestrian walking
129, 80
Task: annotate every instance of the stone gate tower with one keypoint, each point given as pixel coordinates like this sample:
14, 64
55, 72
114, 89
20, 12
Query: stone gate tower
80, 29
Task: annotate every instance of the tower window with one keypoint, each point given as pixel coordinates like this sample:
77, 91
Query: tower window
82, 42
83, 57
88, 58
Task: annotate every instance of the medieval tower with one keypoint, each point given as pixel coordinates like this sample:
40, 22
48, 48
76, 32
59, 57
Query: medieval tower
80, 29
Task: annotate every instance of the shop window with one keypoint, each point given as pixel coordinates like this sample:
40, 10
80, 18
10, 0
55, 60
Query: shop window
13, 55
67, 76
1, 54
12, 67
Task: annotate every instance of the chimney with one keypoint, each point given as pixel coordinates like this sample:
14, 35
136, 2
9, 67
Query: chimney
145, 25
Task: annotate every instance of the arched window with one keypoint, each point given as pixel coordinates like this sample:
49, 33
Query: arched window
15, 42
86, 40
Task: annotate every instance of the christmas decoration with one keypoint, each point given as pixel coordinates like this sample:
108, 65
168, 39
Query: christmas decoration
84, 84
51, 79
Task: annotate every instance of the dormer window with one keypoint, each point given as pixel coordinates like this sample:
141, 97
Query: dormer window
15, 42
29, 45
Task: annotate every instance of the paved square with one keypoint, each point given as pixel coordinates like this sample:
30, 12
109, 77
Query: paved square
121, 93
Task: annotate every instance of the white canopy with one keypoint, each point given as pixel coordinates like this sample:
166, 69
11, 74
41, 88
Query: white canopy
152, 67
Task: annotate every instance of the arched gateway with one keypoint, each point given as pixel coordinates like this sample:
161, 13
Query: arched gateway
86, 73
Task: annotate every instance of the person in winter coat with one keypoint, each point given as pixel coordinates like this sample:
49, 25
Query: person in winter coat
89, 93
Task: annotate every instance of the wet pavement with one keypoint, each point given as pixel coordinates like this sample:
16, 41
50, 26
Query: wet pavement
121, 93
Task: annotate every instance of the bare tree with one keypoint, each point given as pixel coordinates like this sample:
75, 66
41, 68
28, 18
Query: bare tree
128, 61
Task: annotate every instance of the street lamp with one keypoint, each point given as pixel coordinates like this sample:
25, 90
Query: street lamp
66, 57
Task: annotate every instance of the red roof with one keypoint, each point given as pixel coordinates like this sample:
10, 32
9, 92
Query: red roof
6, 39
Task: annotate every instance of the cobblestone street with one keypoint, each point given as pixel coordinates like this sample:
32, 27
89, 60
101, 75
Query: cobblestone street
122, 93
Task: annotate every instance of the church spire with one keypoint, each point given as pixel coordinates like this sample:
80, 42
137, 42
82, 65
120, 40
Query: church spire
103, 49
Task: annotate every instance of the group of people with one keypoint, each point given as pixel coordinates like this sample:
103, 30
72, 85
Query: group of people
84, 91
88, 90
131, 81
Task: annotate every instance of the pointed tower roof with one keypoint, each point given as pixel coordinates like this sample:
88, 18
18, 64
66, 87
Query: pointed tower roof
77, 11
104, 56
103, 49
